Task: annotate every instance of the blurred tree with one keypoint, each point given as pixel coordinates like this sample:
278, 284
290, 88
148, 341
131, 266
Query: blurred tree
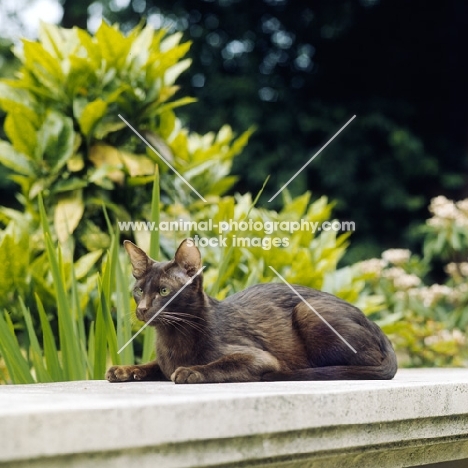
300, 70
75, 13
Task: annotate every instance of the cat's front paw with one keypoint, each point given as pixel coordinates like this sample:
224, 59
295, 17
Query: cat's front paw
187, 375
125, 373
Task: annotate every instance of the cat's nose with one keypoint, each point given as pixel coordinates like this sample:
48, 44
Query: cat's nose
140, 312
142, 308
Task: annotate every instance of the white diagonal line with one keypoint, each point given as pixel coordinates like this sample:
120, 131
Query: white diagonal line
313, 310
142, 138
312, 158
161, 309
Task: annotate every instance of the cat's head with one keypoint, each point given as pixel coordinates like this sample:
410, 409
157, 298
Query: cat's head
175, 286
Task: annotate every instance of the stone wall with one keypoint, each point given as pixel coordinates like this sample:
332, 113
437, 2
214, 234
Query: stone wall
419, 418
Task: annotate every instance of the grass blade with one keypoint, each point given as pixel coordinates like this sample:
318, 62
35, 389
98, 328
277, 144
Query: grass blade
124, 326
155, 200
78, 315
149, 335
149, 349
68, 336
48, 343
37, 360
108, 285
91, 348
259, 194
222, 269
100, 344
16, 363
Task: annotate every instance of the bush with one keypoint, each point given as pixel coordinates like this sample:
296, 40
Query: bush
427, 320
66, 309
94, 308
67, 139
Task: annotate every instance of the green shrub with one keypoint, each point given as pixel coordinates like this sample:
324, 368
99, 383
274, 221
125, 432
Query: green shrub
427, 321
67, 139
85, 332
64, 311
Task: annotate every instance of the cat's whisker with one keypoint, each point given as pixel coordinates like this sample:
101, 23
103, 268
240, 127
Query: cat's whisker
182, 329
192, 319
195, 326
179, 327
175, 317
167, 322
185, 314
192, 323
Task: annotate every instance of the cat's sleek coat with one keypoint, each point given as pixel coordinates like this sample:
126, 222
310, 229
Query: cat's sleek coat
263, 333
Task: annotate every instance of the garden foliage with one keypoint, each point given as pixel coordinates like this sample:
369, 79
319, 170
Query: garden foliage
66, 293
65, 302
427, 319
67, 139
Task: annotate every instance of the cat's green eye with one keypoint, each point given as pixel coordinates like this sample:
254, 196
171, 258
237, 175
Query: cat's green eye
138, 291
164, 291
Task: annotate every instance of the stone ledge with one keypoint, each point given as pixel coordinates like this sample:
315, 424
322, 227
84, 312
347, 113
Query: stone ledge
420, 417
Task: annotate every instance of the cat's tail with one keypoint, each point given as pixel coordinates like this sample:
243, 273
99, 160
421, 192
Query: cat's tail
385, 371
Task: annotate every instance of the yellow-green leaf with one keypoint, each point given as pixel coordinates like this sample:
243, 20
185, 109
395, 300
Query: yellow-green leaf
139, 50
105, 155
93, 52
114, 45
14, 258
55, 141
21, 132
92, 113
170, 42
173, 73
81, 76
10, 94
172, 105
41, 63
137, 165
68, 213
14, 160
57, 41
84, 264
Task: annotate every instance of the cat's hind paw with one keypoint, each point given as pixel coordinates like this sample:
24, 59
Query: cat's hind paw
125, 373
187, 375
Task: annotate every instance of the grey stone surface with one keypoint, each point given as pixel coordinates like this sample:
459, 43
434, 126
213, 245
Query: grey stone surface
420, 417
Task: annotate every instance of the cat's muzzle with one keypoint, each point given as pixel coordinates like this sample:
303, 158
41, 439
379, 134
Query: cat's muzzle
141, 314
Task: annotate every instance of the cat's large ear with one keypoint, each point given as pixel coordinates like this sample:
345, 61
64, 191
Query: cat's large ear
188, 257
140, 261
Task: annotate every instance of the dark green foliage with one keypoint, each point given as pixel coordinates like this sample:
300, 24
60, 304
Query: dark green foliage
65, 138
299, 70
77, 164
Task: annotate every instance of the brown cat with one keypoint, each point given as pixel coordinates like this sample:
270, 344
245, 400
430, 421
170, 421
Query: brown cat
263, 333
